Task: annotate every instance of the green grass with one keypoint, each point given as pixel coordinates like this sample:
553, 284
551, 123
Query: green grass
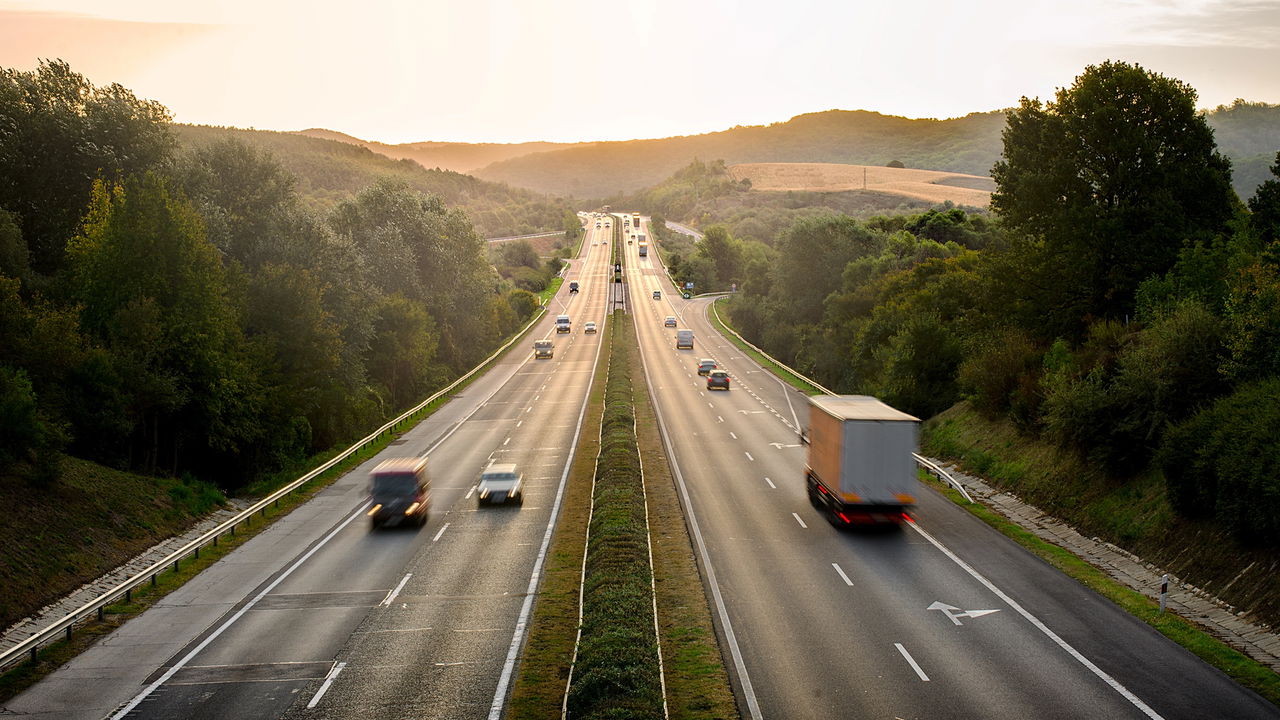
787, 376
552, 288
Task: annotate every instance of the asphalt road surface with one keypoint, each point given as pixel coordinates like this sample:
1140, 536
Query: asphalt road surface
320, 617
944, 618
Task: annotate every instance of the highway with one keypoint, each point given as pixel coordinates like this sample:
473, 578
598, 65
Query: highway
943, 619
318, 617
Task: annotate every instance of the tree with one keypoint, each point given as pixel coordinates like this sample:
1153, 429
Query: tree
725, 254
59, 134
1107, 183
1265, 206
169, 322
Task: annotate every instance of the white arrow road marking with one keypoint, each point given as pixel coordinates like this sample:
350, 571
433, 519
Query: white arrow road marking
954, 613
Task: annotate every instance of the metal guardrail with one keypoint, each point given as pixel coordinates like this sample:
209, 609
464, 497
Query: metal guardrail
509, 238
924, 462
125, 589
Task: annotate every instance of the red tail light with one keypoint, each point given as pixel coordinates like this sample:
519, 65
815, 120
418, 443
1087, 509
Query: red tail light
845, 518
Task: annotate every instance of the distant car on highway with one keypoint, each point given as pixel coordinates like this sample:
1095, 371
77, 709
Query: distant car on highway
573, 287
705, 366
400, 493
684, 339
562, 324
670, 321
718, 379
543, 349
657, 294
499, 483
589, 328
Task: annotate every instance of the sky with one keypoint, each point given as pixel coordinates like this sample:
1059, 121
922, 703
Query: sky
581, 70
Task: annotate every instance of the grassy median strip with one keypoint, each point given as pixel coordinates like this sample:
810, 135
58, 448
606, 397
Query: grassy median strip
697, 682
616, 674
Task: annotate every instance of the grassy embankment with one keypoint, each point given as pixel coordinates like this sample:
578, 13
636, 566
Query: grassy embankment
1134, 514
787, 376
95, 518
616, 671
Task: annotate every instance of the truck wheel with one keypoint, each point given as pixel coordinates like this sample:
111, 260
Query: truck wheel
813, 498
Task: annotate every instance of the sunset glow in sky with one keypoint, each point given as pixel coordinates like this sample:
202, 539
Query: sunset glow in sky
570, 70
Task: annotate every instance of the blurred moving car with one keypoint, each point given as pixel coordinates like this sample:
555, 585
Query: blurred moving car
400, 493
499, 483
670, 321
589, 328
657, 294
718, 379
543, 349
705, 366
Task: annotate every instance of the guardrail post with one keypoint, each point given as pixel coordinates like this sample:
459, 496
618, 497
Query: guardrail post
197, 552
100, 616
33, 654
128, 595
68, 633
175, 566
153, 580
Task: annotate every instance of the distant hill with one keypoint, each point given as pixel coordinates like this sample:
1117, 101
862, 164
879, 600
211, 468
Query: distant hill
969, 145
928, 185
458, 157
330, 170
1248, 133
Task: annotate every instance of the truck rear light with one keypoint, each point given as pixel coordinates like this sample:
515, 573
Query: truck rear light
412, 508
905, 499
374, 510
845, 518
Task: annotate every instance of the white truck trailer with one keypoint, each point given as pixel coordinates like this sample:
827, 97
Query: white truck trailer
860, 469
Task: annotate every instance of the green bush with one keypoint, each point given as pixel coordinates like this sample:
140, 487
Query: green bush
1224, 462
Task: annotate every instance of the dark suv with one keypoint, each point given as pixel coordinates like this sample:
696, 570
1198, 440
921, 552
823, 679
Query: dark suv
400, 493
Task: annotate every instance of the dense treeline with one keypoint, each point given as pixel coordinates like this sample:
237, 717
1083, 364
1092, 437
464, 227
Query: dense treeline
1123, 303
329, 172
181, 310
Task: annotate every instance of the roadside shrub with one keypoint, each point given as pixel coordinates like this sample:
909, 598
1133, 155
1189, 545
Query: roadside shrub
1224, 462
993, 376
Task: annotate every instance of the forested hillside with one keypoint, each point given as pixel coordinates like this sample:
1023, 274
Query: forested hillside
179, 308
329, 172
970, 144
455, 156
1121, 306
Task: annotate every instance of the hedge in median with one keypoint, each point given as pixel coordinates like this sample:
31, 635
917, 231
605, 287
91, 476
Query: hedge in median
616, 674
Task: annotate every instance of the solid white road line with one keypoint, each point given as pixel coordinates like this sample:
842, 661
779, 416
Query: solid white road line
324, 688
128, 708
522, 622
386, 601
775, 487
472, 490
911, 660
444, 527
1115, 684
844, 577
797, 517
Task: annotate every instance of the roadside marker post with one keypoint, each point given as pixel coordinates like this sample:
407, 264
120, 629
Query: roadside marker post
1164, 591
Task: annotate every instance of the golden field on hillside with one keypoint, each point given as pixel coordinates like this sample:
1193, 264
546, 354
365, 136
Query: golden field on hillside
928, 185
